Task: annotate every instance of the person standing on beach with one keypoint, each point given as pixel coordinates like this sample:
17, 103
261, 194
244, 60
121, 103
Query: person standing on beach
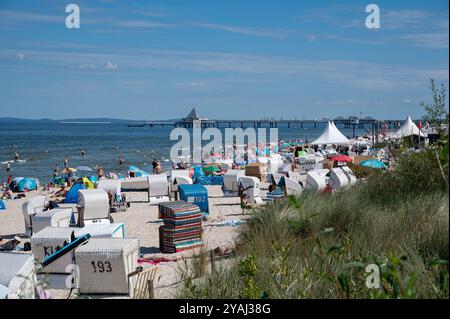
55, 171
154, 164
158, 168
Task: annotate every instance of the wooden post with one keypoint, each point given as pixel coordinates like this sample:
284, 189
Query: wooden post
213, 260
151, 289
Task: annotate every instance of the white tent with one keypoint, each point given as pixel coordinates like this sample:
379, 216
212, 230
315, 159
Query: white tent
407, 129
331, 135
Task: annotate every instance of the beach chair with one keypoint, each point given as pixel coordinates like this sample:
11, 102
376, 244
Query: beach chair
158, 188
180, 180
135, 184
250, 189
105, 265
230, 182
143, 283
93, 207
114, 186
316, 180
57, 217
17, 276
290, 187
350, 175
30, 208
338, 179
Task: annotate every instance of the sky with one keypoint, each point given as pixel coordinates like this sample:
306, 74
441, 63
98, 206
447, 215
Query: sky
231, 59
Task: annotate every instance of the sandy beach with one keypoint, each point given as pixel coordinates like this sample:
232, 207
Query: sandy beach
141, 221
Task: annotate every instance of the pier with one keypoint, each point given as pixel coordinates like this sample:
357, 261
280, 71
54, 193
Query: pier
350, 122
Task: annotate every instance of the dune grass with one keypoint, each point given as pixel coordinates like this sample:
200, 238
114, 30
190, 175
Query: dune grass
318, 246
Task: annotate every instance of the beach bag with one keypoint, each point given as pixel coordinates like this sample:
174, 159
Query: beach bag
2, 204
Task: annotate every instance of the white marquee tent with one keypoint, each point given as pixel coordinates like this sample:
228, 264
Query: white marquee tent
331, 135
407, 129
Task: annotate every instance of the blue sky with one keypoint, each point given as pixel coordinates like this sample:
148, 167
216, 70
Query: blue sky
230, 59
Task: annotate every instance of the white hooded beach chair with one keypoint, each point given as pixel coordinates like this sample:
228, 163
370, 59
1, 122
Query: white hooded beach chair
250, 187
49, 240
316, 180
105, 264
295, 176
178, 177
291, 187
350, 175
158, 188
115, 187
30, 208
57, 217
230, 182
93, 206
338, 179
17, 275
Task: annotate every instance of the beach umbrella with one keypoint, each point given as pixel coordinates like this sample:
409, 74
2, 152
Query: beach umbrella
84, 169
373, 163
341, 158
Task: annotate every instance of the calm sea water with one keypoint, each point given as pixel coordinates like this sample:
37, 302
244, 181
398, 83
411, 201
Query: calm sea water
43, 145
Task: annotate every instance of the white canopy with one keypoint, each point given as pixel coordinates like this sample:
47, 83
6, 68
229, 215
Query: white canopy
331, 135
407, 129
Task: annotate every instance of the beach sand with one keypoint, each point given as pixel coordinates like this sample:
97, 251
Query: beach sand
141, 221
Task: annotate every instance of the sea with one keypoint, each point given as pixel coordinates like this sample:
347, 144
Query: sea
42, 145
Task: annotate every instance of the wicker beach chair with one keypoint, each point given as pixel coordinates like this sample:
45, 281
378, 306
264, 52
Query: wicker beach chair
29, 209
143, 285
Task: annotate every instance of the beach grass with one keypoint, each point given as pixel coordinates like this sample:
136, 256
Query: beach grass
326, 246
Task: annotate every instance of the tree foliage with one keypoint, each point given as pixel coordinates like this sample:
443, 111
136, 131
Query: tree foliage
437, 111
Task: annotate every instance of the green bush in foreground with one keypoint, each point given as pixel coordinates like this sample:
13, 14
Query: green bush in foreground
318, 246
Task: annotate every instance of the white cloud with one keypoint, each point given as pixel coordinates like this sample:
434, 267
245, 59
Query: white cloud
261, 32
141, 24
